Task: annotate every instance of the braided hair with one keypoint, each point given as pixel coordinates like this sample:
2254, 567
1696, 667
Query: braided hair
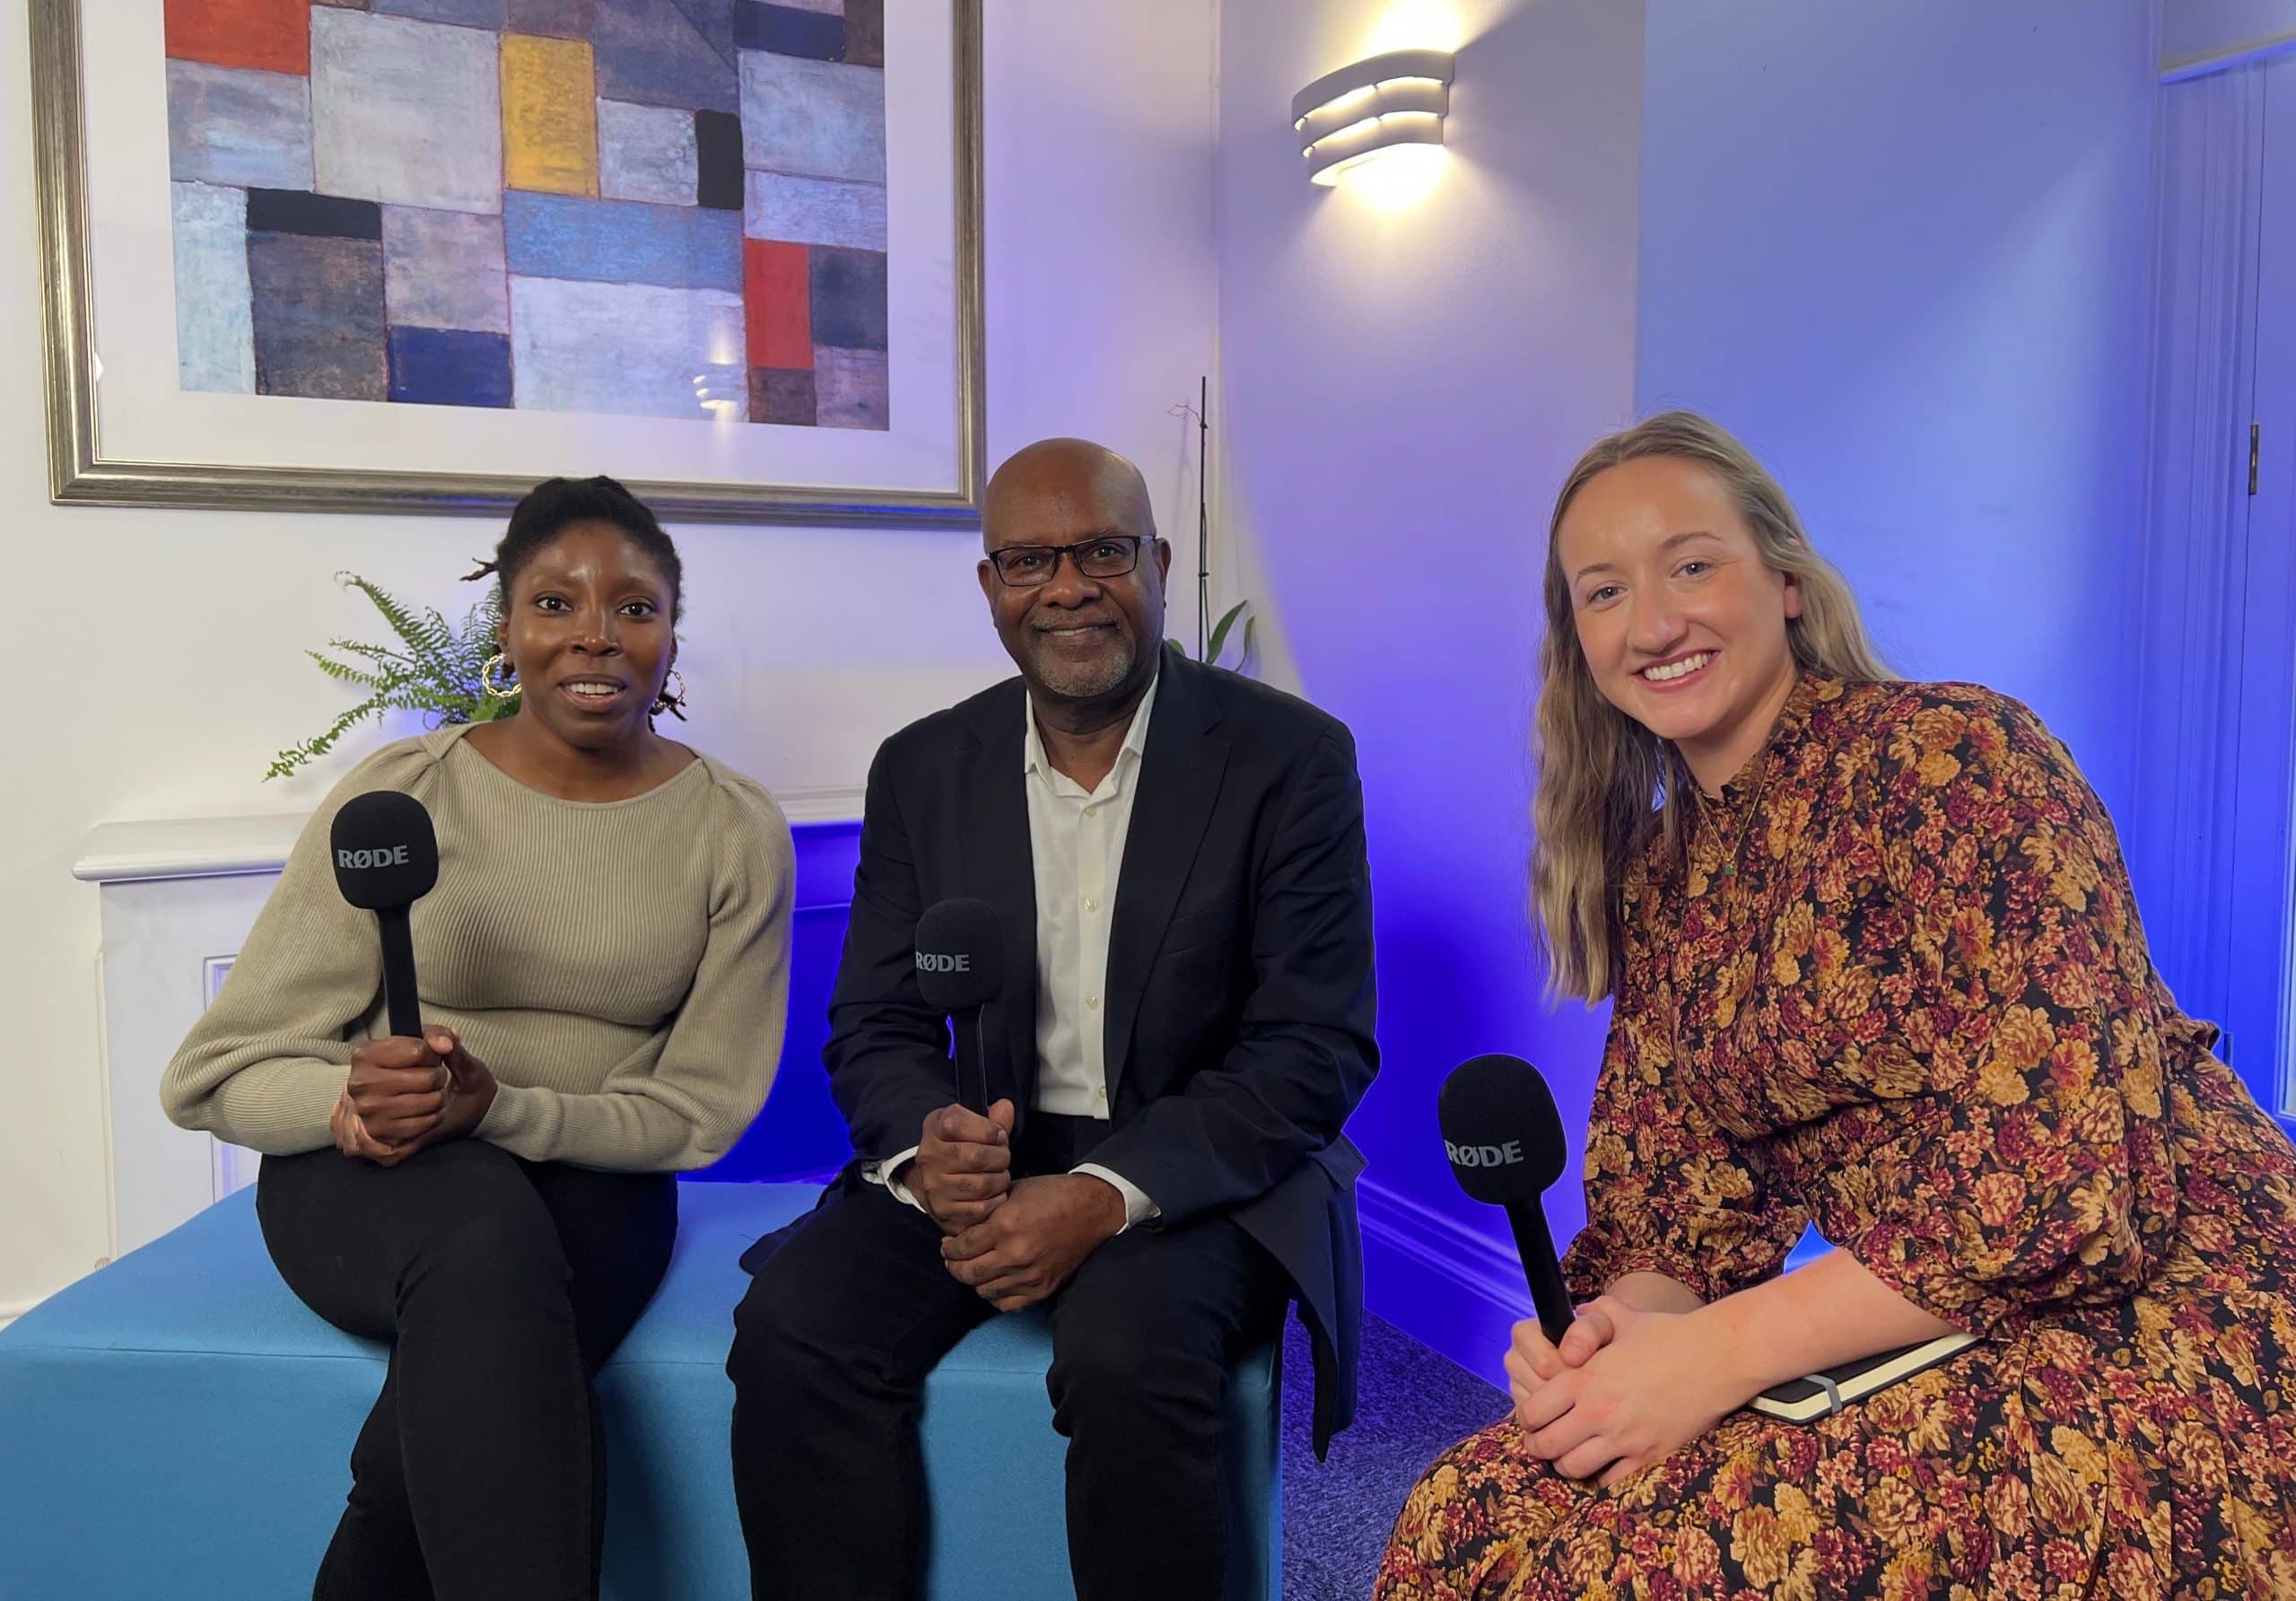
556, 504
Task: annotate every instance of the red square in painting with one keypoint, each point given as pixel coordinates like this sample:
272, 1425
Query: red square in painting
271, 35
777, 297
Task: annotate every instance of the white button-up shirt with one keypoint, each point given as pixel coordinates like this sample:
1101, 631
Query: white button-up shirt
1076, 842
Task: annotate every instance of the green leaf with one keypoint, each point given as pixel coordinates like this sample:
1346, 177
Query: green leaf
1220, 631
393, 613
389, 662
284, 764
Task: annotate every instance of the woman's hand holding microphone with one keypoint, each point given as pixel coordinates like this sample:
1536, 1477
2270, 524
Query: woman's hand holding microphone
404, 1095
1628, 1383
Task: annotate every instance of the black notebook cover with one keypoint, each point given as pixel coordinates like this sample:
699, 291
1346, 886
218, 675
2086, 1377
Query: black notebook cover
1822, 1394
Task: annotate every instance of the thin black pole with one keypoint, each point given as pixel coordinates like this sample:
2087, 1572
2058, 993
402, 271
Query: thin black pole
1203, 521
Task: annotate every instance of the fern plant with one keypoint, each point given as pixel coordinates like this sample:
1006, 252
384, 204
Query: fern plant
432, 668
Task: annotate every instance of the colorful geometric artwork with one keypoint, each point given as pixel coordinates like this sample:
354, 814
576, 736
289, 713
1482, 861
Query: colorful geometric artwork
667, 208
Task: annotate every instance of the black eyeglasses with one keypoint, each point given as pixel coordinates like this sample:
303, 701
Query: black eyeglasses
1104, 555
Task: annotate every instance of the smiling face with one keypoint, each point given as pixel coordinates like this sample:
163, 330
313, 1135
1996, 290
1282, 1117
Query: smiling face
1075, 639
1682, 622
588, 629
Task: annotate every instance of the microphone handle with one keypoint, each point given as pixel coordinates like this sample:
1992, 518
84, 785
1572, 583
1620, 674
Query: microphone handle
1541, 1268
971, 1060
980, 1059
398, 973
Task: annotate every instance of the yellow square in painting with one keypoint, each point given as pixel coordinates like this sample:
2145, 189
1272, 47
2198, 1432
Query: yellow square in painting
549, 115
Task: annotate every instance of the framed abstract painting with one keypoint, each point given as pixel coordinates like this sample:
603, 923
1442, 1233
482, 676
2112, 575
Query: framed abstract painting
414, 255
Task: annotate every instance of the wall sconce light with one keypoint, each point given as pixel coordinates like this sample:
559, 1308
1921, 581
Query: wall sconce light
1349, 116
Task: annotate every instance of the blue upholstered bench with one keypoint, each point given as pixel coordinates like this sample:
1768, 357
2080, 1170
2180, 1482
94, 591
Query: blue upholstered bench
179, 1426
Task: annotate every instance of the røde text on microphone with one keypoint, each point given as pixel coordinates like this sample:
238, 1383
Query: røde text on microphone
1484, 1156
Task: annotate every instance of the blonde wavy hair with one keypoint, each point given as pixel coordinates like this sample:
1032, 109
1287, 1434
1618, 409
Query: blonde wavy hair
1607, 786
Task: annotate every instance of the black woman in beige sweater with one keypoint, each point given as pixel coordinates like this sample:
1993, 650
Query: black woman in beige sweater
603, 970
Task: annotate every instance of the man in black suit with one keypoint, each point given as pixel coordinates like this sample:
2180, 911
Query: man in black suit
1177, 855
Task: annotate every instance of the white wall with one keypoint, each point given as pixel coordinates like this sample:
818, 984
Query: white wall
1409, 374
1903, 251
158, 653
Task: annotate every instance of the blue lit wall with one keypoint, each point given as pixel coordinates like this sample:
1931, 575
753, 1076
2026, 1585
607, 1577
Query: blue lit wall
1407, 374
1901, 247
1904, 250
801, 1134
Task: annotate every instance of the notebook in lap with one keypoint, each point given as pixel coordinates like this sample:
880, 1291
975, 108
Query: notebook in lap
1822, 1394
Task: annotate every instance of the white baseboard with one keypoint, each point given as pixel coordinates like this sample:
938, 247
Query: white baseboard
1477, 1264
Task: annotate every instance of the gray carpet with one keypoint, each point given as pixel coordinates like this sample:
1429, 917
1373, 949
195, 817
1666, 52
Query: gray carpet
1411, 1403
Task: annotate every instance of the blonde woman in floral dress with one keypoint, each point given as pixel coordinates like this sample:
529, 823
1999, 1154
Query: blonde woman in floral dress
1875, 964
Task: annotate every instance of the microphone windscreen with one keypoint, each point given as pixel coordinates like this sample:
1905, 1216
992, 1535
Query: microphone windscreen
1500, 1130
386, 853
960, 954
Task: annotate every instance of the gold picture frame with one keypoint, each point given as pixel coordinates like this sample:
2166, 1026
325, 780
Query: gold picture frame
81, 471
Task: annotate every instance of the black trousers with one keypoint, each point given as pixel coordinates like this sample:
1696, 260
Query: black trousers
502, 1286
852, 1307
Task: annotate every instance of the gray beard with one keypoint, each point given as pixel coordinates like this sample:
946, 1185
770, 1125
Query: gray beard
1084, 681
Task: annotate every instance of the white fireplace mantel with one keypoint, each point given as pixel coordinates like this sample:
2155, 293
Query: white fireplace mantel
188, 848
227, 847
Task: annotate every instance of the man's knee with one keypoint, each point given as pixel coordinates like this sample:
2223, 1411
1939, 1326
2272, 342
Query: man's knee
791, 1336
1119, 1365
766, 1336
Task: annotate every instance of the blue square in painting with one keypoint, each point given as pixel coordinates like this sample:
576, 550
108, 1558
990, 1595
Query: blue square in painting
440, 366
848, 292
667, 53
787, 30
622, 242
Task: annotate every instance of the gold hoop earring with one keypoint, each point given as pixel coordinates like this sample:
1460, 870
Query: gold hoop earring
487, 679
679, 697
672, 701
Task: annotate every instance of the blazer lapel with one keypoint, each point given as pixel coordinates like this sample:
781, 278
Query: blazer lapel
999, 869
1180, 775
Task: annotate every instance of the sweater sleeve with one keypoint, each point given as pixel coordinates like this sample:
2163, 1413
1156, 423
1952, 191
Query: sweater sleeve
1667, 1190
683, 1099
2039, 1171
264, 1066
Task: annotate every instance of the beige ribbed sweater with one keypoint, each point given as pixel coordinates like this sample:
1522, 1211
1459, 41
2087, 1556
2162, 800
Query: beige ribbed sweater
621, 966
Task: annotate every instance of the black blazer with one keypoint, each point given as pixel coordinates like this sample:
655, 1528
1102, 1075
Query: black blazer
1240, 998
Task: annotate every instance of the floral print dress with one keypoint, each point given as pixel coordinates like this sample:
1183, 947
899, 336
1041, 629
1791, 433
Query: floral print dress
1917, 1011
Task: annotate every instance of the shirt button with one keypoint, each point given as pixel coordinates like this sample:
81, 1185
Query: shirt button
1092, 1003
1092, 903
1101, 1094
1092, 811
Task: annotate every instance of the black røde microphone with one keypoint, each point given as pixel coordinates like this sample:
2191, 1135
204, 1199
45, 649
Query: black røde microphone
960, 969
386, 858
1505, 1140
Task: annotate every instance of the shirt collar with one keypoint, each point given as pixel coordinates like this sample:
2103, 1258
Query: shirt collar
1032, 758
1810, 690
